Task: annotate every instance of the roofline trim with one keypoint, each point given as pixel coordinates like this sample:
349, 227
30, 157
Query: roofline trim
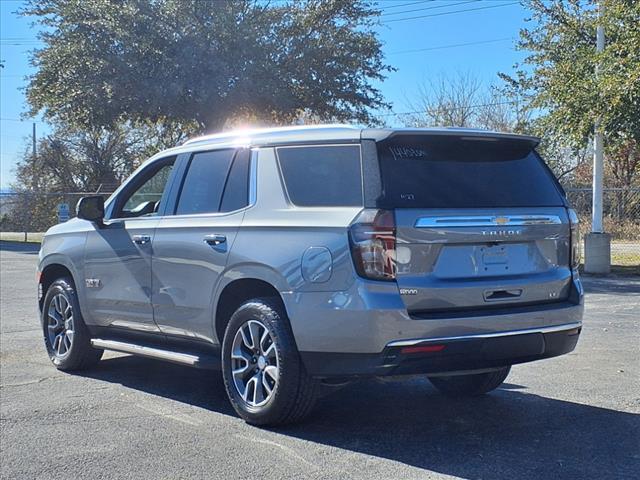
249, 134
312, 134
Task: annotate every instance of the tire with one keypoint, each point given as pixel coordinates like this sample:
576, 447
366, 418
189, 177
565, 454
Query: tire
470, 385
66, 336
270, 385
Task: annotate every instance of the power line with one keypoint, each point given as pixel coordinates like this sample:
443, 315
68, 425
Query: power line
405, 4
19, 39
427, 8
5, 119
450, 13
453, 45
15, 39
16, 44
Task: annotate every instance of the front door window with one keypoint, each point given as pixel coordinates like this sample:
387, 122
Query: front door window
144, 199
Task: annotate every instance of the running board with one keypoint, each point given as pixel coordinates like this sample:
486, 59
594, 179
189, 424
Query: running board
157, 353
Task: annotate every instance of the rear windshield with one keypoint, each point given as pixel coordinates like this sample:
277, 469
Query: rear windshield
452, 172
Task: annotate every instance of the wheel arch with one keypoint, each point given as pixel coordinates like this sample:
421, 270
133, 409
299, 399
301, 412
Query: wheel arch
51, 269
234, 294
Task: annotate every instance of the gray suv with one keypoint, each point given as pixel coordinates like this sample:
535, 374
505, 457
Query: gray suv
299, 258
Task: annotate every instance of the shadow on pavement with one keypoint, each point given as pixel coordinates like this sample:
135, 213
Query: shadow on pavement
611, 285
20, 247
506, 435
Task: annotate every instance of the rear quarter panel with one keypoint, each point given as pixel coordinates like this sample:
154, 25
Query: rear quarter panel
275, 235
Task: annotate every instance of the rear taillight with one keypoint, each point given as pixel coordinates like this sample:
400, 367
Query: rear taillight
373, 244
575, 238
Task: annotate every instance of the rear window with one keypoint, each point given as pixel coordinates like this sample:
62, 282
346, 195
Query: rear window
322, 176
453, 172
204, 182
236, 191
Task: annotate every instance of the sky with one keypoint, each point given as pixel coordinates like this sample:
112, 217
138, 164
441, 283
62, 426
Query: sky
422, 39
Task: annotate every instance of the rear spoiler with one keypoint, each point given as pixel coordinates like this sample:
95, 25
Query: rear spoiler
381, 134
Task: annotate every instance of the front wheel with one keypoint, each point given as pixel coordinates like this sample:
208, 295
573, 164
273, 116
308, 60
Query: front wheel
264, 377
66, 337
470, 385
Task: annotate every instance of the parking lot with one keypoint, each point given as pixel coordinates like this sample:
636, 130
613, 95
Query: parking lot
576, 416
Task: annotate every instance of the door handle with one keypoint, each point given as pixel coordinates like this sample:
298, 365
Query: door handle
141, 239
215, 240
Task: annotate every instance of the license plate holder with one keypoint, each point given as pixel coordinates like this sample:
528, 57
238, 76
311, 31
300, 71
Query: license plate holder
525, 345
494, 255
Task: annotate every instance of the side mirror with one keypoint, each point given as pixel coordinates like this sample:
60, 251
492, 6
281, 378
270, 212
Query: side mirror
91, 208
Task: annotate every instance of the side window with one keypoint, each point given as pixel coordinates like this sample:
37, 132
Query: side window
236, 191
145, 195
204, 182
322, 176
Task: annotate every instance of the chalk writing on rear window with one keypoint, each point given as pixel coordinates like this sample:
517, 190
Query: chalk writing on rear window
407, 152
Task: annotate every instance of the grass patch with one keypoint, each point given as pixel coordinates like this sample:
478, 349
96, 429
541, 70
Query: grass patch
625, 259
29, 237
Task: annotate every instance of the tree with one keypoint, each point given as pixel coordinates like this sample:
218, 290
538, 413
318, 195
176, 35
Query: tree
558, 78
106, 62
70, 161
567, 162
462, 100
446, 101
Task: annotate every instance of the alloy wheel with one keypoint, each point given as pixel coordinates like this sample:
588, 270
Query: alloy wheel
254, 363
60, 328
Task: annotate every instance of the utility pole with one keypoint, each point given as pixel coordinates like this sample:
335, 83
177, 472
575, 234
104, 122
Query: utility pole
33, 158
598, 157
597, 244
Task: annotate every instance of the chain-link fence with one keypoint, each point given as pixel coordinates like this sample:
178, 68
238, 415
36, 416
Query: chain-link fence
24, 215
621, 219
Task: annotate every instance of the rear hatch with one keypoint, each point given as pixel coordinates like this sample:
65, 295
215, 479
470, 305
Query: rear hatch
481, 222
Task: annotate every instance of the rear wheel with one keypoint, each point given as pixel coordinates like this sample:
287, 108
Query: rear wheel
265, 379
66, 336
470, 385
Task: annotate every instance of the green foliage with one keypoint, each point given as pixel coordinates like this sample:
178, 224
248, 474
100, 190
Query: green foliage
461, 100
209, 62
558, 76
70, 161
559, 83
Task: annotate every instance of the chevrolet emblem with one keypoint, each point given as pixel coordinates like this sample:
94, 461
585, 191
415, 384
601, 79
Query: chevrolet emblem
501, 220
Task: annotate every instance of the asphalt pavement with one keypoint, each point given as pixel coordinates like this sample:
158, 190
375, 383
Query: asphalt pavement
575, 416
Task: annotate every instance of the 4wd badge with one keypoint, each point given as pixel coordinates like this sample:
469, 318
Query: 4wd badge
92, 282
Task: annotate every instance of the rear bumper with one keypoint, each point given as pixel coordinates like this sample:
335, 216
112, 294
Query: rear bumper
449, 354
357, 332
371, 315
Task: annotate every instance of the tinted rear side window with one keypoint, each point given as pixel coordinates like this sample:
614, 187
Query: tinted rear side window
322, 176
236, 191
453, 172
203, 185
